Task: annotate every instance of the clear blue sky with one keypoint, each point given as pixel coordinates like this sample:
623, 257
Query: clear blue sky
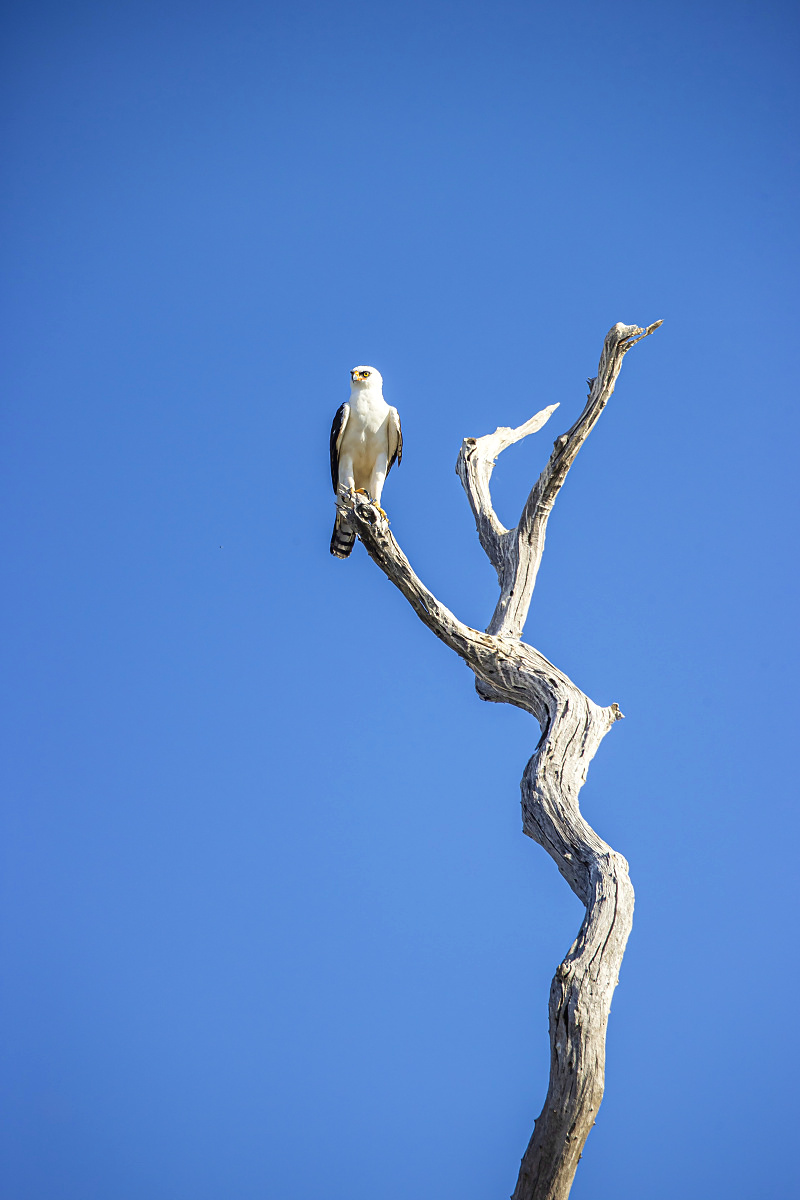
271, 925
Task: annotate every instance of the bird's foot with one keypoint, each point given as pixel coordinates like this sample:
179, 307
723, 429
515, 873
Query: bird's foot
364, 492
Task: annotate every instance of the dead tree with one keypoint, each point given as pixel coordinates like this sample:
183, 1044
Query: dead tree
508, 671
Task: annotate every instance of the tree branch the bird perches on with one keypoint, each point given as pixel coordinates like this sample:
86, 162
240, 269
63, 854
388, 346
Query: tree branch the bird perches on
509, 671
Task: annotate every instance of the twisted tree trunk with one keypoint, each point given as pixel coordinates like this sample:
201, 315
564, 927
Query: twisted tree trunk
509, 671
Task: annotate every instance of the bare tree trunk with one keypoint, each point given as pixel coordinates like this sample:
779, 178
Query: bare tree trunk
509, 671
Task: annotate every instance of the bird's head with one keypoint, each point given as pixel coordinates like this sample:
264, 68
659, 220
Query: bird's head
365, 377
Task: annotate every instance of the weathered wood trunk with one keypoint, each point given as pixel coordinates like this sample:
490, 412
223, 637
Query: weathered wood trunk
508, 671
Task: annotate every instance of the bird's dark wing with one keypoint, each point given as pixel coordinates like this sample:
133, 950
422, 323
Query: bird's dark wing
395, 440
337, 429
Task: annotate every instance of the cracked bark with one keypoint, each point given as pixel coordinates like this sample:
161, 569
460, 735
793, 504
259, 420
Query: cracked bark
509, 671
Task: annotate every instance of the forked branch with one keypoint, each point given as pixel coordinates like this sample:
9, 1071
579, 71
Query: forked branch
517, 553
572, 727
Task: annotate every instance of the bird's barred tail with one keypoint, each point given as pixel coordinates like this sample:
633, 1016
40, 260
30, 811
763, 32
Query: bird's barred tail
342, 540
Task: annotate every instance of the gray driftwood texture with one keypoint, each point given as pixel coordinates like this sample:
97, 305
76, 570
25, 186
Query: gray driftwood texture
508, 671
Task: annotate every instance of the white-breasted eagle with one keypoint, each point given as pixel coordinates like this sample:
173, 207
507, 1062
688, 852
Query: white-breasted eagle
366, 442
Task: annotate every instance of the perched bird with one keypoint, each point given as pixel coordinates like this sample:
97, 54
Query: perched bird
366, 441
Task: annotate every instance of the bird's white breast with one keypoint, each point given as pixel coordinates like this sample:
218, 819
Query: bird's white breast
366, 433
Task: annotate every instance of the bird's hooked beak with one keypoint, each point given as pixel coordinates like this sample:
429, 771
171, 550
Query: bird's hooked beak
358, 375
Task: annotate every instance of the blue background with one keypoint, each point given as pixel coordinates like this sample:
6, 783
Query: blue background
272, 928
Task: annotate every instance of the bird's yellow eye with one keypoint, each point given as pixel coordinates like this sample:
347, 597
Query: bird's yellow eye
364, 374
